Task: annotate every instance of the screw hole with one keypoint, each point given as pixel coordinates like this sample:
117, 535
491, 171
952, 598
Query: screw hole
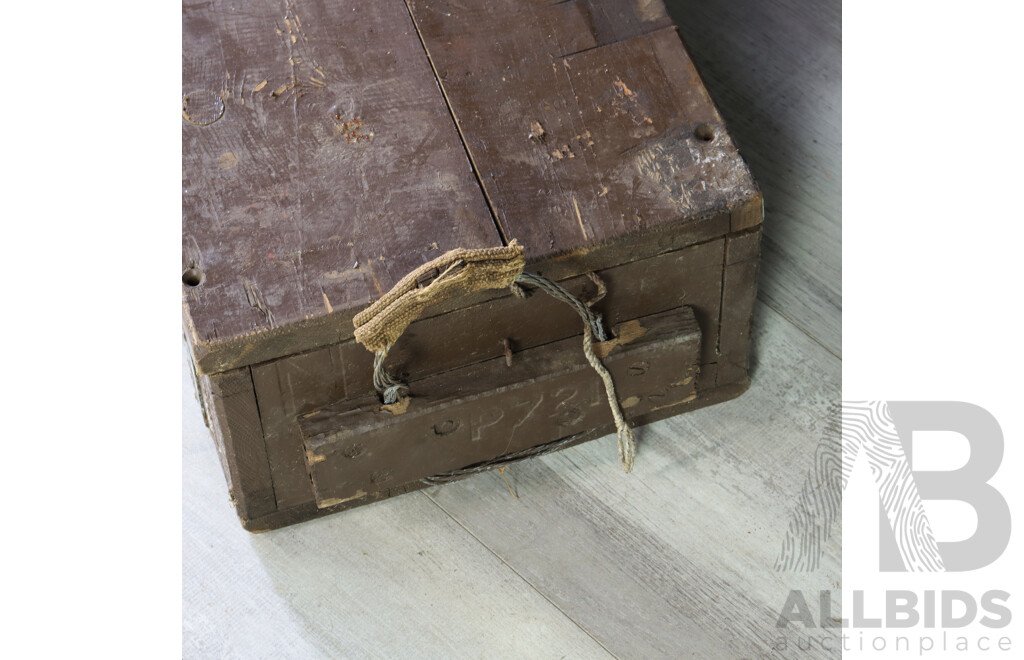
192, 277
705, 132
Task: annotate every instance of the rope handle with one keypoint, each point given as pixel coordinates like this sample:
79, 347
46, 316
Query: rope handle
465, 271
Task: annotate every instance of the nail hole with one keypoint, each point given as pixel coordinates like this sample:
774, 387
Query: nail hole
447, 426
705, 132
202, 107
192, 277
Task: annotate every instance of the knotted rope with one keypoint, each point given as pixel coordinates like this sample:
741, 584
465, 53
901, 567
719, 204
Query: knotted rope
464, 271
627, 443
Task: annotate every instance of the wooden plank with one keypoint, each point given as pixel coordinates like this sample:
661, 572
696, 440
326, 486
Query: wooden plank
286, 389
774, 70
739, 289
230, 405
312, 179
581, 135
349, 586
478, 413
677, 555
707, 395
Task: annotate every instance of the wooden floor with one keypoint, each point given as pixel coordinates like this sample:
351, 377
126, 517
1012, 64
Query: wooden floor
674, 560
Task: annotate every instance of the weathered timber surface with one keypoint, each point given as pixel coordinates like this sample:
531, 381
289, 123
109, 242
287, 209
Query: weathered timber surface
586, 121
319, 165
314, 178
309, 510
739, 291
300, 384
491, 408
232, 414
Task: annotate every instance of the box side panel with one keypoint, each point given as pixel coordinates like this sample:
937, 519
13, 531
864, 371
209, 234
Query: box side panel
289, 388
234, 420
496, 408
739, 292
309, 510
302, 384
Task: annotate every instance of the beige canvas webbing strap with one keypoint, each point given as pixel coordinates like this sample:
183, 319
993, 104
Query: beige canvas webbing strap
455, 272
461, 271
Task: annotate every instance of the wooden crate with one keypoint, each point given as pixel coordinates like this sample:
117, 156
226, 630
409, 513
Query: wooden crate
328, 150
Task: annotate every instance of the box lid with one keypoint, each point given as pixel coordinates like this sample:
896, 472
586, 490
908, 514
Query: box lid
327, 150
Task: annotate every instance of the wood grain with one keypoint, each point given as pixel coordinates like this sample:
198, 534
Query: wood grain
232, 413
739, 289
657, 143
581, 535
319, 165
583, 128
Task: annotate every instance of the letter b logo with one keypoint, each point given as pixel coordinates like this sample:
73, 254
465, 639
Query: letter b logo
967, 484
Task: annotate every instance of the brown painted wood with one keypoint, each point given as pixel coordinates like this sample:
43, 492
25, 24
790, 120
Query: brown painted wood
581, 133
319, 165
229, 404
739, 291
310, 511
283, 285
300, 384
489, 409
289, 388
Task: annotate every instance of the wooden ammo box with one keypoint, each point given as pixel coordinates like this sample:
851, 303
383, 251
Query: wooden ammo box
330, 149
